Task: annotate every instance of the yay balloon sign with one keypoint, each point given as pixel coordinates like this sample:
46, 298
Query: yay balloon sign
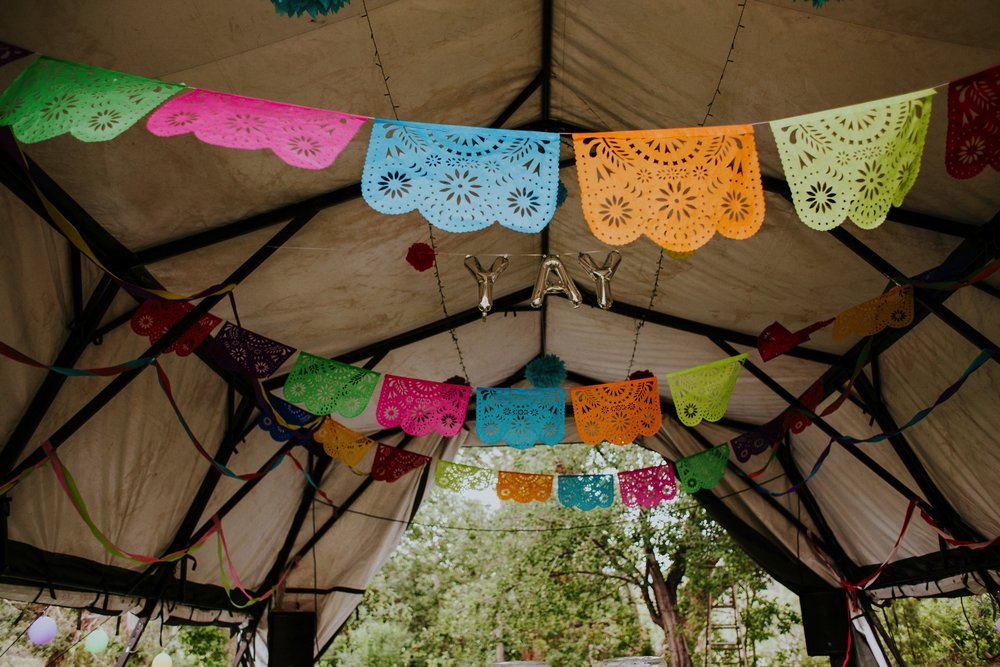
553, 278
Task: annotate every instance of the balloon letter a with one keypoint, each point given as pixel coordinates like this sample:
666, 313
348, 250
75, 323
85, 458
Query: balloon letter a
550, 267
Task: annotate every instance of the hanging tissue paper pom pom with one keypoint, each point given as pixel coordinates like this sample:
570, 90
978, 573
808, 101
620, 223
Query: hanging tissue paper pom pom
545, 371
42, 630
639, 375
311, 7
163, 659
561, 194
96, 642
420, 256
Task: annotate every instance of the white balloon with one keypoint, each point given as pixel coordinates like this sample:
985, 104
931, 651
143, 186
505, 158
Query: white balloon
552, 267
163, 659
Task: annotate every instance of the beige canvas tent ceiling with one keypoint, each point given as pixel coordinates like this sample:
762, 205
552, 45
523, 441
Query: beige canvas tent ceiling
182, 214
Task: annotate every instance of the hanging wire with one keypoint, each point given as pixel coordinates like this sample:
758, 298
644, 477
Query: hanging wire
729, 59
642, 322
430, 228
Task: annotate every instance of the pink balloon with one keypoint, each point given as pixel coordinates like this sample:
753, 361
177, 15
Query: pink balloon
42, 631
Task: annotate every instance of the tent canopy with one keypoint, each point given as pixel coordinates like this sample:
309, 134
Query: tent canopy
320, 271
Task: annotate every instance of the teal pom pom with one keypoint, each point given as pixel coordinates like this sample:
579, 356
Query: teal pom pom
545, 371
311, 7
561, 194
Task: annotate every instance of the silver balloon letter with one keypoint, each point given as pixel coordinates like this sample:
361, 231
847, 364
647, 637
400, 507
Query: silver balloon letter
563, 284
602, 275
486, 279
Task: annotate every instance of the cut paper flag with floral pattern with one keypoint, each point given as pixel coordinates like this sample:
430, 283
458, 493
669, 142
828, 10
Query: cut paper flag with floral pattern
53, 97
462, 178
392, 463
775, 340
703, 470
242, 351
854, 161
647, 487
617, 412
973, 124
703, 392
892, 309
326, 386
301, 136
9, 53
461, 477
795, 420
586, 492
340, 442
520, 417
678, 187
292, 414
420, 407
522, 487
155, 317
758, 440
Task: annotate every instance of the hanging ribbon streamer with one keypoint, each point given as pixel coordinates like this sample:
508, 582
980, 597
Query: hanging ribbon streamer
421, 407
20, 357
950, 391
53, 97
300, 136
678, 186
586, 492
973, 141
270, 465
225, 558
327, 386
703, 470
392, 463
72, 234
617, 412
311, 481
521, 416
155, 317
703, 392
68, 485
646, 487
854, 161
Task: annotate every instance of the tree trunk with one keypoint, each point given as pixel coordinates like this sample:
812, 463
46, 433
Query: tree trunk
665, 595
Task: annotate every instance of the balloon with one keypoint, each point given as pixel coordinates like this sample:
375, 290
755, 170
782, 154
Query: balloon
602, 275
96, 642
563, 284
162, 660
42, 630
486, 279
